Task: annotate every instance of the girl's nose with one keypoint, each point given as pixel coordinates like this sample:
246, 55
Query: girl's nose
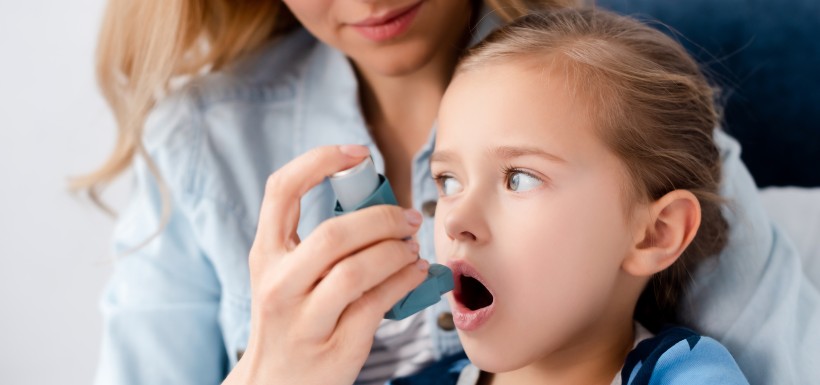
465, 221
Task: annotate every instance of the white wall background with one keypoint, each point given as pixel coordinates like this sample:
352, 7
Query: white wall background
54, 256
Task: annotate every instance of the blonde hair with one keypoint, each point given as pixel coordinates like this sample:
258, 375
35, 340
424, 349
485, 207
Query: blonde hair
145, 46
653, 108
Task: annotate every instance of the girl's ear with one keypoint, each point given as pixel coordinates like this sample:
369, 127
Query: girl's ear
672, 224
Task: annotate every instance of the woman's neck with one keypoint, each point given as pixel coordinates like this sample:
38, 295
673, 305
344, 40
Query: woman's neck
400, 111
408, 101
595, 357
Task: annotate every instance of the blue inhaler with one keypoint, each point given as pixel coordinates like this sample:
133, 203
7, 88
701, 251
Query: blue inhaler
360, 187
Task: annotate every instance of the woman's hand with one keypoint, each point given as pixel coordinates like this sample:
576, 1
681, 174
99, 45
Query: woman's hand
317, 303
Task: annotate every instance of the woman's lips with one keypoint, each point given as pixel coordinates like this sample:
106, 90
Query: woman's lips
389, 25
464, 318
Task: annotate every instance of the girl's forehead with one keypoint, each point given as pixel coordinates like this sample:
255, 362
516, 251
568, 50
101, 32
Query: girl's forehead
513, 109
513, 100
542, 81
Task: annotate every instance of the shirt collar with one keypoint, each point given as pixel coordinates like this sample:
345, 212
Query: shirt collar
488, 21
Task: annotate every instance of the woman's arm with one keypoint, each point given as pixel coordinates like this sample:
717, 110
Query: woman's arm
161, 305
755, 298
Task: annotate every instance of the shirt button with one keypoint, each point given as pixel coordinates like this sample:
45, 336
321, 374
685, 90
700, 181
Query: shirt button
239, 354
429, 208
445, 321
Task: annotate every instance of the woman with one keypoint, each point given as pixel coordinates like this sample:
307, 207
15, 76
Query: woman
230, 92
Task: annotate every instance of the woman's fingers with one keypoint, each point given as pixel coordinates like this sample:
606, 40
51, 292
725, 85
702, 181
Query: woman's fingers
279, 214
360, 320
348, 273
337, 238
348, 280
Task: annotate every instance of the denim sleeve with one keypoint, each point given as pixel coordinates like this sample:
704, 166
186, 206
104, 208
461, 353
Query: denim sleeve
754, 297
161, 305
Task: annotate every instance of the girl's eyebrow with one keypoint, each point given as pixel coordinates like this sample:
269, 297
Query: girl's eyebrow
442, 156
510, 152
504, 152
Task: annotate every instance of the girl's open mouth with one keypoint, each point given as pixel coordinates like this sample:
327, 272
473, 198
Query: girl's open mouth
473, 298
473, 294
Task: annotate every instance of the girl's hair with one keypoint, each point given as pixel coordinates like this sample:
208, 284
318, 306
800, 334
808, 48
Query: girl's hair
146, 45
652, 107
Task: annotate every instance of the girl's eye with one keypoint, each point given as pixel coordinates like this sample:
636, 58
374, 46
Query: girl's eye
449, 185
520, 181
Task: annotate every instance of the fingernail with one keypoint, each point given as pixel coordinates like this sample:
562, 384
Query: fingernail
422, 264
355, 150
413, 217
413, 246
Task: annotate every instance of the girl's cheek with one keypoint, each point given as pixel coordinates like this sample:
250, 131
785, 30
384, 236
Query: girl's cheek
439, 235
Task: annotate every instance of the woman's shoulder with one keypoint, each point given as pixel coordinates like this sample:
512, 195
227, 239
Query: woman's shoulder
237, 99
679, 355
238, 118
267, 74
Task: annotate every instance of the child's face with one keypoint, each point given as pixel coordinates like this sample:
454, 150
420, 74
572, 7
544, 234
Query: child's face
532, 203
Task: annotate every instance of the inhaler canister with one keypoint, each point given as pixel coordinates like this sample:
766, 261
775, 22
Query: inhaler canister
361, 186
354, 187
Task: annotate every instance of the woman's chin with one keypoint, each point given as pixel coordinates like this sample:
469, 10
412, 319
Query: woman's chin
401, 60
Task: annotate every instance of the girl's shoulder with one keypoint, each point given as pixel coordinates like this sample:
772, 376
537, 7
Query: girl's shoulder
446, 371
674, 356
679, 355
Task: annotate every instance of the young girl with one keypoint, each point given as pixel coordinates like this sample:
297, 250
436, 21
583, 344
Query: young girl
577, 176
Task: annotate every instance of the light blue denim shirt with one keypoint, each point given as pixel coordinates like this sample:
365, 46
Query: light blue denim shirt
177, 311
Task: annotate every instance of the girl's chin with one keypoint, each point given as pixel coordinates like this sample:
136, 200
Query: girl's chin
493, 359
